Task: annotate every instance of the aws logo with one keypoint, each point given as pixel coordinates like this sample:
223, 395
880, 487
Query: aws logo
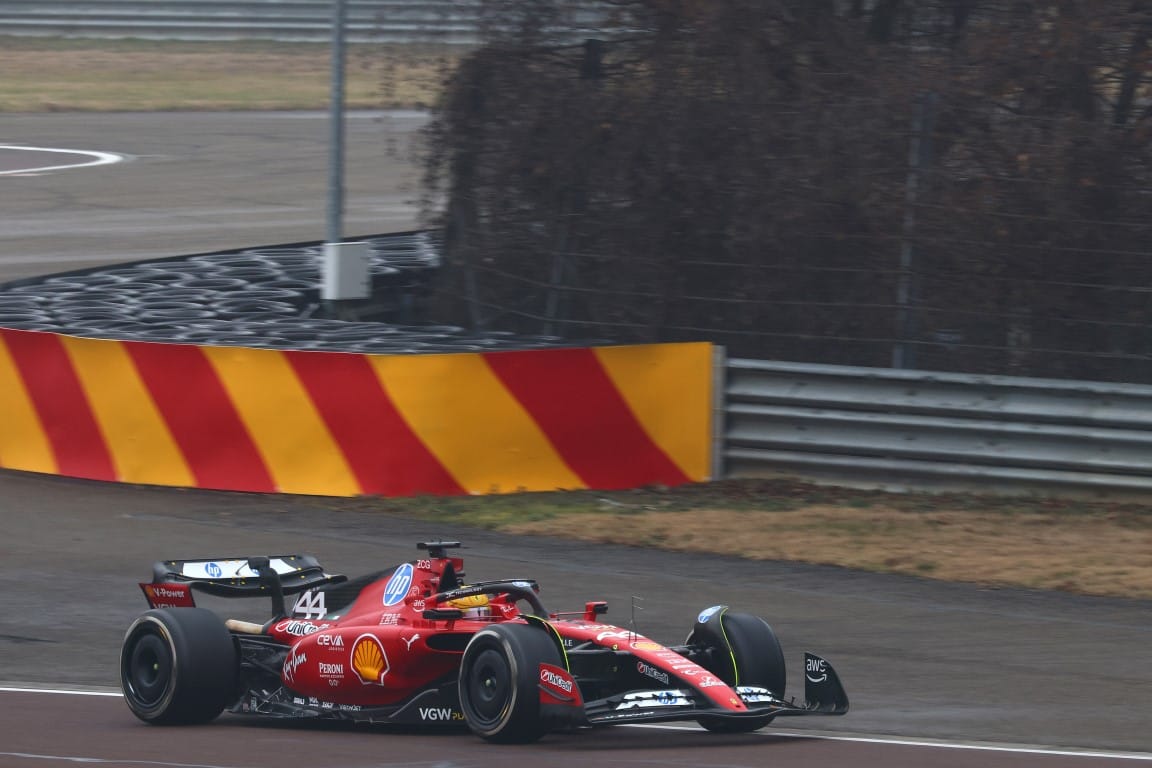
816, 671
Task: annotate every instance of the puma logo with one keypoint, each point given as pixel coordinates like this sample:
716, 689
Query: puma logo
409, 640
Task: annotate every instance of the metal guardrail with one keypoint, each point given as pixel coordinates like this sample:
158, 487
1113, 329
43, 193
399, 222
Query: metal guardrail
450, 22
906, 428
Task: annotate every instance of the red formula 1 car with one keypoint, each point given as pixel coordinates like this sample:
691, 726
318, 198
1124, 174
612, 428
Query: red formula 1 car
415, 644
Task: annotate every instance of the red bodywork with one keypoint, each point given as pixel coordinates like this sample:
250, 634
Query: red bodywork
390, 649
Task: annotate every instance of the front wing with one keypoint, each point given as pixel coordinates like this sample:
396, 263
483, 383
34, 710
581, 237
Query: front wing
823, 692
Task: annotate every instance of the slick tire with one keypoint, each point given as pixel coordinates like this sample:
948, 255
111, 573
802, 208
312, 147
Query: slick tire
178, 666
758, 661
499, 682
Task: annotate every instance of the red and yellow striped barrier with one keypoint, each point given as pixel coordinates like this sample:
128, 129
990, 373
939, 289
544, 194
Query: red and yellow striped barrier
341, 424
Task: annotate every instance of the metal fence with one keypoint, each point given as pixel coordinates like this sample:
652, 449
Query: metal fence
452, 22
910, 429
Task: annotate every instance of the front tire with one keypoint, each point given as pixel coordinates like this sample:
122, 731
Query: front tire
499, 682
178, 666
755, 659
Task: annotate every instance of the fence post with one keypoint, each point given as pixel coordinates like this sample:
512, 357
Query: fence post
919, 156
719, 409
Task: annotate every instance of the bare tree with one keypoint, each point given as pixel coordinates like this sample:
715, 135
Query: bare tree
741, 172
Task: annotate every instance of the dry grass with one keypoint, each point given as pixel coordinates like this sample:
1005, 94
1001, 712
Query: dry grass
1092, 554
44, 75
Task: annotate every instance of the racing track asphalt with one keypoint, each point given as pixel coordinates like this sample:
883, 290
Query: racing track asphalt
920, 659
193, 183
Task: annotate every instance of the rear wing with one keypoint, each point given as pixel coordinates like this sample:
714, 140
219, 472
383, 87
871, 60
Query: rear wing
271, 576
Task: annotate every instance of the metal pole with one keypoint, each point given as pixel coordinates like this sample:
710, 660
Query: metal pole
336, 125
719, 411
919, 156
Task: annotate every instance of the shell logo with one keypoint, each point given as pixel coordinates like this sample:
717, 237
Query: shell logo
369, 661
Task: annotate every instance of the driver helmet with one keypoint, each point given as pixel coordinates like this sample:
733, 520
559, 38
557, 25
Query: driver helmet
473, 606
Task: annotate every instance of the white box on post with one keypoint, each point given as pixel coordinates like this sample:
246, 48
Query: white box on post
347, 272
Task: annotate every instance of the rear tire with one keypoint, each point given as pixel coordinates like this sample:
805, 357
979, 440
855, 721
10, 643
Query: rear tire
499, 682
178, 666
758, 661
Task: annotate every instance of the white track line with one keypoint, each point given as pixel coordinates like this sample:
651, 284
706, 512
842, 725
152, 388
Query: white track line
790, 734
72, 691
98, 158
101, 761
935, 743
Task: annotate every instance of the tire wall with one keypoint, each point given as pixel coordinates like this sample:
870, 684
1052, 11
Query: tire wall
345, 424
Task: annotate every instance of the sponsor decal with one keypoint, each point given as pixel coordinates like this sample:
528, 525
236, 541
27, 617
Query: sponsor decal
551, 677
708, 613
310, 605
299, 628
333, 642
456, 594
369, 661
752, 694
558, 687
650, 699
350, 707
616, 634
330, 670
647, 645
439, 714
418, 605
522, 584
176, 596
709, 682
292, 663
815, 670
424, 565
652, 672
686, 668
680, 665
620, 715
409, 640
389, 619
397, 587
508, 610
215, 569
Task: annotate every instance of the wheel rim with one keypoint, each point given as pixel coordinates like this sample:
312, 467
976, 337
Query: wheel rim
149, 670
490, 686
